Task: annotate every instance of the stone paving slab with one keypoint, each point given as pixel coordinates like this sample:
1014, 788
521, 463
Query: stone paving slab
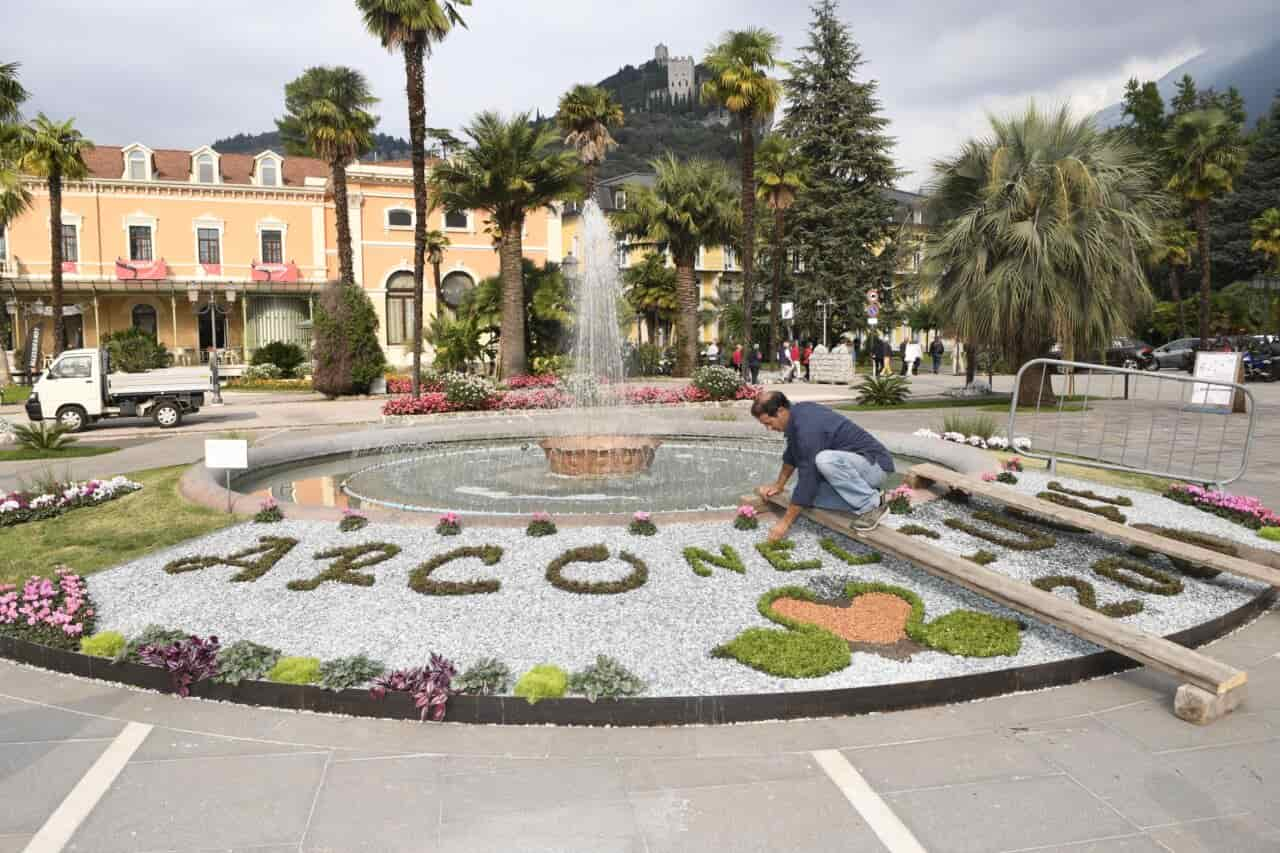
600, 827
1158, 730
953, 761
14, 843
36, 777
390, 805
646, 774
1244, 834
22, 721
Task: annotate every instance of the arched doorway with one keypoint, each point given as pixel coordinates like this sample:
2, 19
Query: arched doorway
212, 323
454, 288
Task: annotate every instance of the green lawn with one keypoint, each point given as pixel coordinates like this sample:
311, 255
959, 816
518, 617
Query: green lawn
91, 539
949, 403
14, 394
1105, 476
1044, 410
23, 454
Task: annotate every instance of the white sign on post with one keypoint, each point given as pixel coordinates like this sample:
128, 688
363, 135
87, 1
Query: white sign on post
1216, 367
229, 455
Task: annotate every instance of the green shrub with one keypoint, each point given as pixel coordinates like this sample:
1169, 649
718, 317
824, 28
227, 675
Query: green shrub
975, 635
104, 644
829, 545
342, 673
1087, 596
809, 652
1271, 534
42, 436
296, 670
348, 356
542, 682
718, 383
285, 357
1107, 511
263, 373
1138, 576
1119, 500
967, 425
982, 557
455, 340
605, 679
134, 351
919, 530
1033, 540
886, 390
245, 661
485, 677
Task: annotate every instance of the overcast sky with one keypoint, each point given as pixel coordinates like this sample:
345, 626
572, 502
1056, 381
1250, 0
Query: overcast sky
178, 74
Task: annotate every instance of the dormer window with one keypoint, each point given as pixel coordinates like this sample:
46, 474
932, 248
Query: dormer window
204, 166
268, 169
137, 166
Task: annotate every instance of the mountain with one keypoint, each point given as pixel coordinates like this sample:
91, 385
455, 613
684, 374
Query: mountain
1255, 72
384, 147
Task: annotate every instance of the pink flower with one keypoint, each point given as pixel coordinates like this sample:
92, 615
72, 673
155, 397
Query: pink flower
449, 518
641, 516
746, 511
988, 477
542, 516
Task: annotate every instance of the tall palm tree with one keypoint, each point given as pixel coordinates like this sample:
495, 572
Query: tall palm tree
780, 177
1205, 150
651, 290
1173, 247
510, 168
1047, 224
437, 245
1266, 236
326, 116
14, 197
740, 82
691, 205
412, 26
585, 116
54, 151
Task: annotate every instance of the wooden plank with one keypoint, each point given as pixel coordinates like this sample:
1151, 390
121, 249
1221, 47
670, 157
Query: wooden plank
1154, 651
1268, 574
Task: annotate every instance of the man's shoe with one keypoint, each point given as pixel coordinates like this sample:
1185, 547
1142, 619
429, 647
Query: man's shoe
869, 520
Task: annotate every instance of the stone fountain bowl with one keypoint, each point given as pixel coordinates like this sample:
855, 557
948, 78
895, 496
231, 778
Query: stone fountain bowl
600, 455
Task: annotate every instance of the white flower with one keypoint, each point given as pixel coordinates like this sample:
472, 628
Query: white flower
954, 436
977, 441
1022, 443
998, 441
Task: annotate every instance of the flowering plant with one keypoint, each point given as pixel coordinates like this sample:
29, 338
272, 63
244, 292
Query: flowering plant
20, 507
747, 518
430, 685
1007, 477
49, 612
1013, 465
467, 392
995, 442
541, 525
431, 403
899, 500
187, 661
449, 524
543, 380
535, 398
352, 520
642, 524
268, 512
1241, 509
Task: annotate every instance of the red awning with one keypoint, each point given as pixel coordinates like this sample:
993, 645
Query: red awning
275, 272
141, 270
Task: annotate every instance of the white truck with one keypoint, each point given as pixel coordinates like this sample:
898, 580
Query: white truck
79, 389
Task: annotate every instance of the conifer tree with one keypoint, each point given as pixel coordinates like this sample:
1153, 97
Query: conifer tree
841, 224
348, 356
1256, 190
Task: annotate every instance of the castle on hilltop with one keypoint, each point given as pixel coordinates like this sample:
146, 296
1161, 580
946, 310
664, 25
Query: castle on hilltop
682, 82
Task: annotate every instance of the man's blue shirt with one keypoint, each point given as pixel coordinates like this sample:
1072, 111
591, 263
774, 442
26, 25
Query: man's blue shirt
814, 428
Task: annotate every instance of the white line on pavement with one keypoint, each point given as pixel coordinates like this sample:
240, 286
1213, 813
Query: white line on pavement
891, 831
66, 819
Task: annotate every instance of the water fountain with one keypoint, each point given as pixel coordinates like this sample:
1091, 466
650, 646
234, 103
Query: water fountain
601, 451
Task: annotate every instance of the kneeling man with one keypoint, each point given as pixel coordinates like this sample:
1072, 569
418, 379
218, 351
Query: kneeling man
841, 466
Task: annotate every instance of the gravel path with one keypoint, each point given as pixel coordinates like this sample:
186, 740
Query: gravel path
662, 631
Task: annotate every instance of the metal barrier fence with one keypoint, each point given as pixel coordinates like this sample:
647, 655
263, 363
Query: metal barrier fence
1138, 421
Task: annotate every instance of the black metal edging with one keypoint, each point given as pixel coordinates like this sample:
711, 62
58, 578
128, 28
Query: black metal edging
656, 711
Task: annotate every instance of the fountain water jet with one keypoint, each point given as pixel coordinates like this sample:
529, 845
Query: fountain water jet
600, 451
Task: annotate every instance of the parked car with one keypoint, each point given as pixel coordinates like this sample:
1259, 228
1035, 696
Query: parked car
1123, 352
1177, 355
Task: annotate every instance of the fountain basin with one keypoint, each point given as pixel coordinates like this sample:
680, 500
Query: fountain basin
600, 455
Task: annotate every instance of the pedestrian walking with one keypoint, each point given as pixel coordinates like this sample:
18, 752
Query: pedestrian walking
753, 364
795, 359
804, 359
737, 358
935, 350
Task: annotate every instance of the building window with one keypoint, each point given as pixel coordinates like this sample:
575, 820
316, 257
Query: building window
137, 166
730, 258
620, 200
140, 243
204, 169
268, 173
207, 243
4, 243
400, 308
70, 243
623, 251
398, 217
457, 220
144, 319
272, 247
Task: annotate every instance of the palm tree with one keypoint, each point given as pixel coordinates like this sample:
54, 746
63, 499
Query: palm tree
1173, 247
437, 245
1266, 236
14, 197
740, 82
326, 116
54, 151
1204, 147
585, 115
412, 26
652, 291
690, 206
1047, 223
780, 176
509, 169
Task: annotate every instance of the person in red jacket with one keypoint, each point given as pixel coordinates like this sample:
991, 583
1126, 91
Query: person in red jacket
795, 358
737, 357
804, 359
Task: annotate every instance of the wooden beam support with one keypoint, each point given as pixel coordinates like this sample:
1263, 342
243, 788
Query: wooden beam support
926, 473
1210, 677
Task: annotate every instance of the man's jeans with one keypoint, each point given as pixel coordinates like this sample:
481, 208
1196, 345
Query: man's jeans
850, 482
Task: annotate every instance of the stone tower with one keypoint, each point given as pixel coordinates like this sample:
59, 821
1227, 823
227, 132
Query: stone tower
680, 78
661, 54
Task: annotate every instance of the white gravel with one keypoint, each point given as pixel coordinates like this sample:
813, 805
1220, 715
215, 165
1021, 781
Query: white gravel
662, 631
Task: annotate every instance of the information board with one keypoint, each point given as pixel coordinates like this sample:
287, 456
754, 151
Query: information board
223, 453
1216, 367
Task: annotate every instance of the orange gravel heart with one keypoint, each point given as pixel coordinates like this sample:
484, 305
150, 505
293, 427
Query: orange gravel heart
876, 617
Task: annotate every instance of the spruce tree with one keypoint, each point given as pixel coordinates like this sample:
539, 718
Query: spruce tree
345, 328
842, 224
1257, 189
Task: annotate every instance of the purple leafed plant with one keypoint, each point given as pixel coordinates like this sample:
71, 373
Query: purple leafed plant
187, 661
431, 685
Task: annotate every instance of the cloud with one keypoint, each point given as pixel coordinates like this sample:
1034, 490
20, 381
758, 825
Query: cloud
177, 73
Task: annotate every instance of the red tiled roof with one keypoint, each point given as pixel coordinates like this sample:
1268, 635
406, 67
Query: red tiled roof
171, 164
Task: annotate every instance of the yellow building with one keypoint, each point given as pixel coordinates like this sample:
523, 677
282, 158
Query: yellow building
229, 251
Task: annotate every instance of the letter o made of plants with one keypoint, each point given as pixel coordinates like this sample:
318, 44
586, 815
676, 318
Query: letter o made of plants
596, 554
